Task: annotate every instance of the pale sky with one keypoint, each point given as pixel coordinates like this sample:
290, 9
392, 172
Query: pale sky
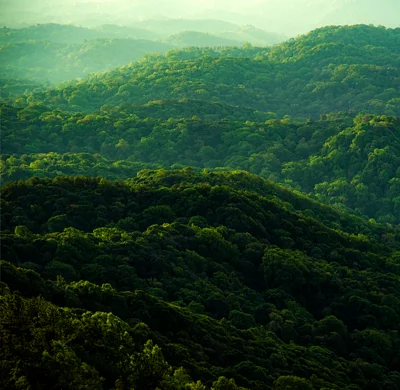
289, 17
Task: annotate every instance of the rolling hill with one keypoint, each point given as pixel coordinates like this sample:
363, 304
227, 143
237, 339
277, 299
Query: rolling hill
71, 34
351, 163
230, 282
53, 53
194, 38
54, 62
330, 69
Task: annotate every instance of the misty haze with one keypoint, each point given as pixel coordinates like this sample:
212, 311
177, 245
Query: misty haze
288, 17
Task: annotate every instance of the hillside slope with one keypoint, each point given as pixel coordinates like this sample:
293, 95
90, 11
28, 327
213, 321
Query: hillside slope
253, 288
56, 62
328, 70
55, 53
62, 33
350, 162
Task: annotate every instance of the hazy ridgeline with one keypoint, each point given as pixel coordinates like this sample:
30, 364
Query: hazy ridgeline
289, 17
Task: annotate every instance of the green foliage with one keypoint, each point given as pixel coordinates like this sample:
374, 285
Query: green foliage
328, 70
45, 346
350, 163
57, 53
292, 383
199, 278
277, 300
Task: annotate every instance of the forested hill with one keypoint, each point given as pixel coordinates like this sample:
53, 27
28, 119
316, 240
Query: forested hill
56, 62
330, 40
353, 68
352, 163
53, 53
227, 278
69, 34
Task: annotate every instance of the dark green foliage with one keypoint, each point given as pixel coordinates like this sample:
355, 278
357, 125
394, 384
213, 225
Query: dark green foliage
279, 300
44, 346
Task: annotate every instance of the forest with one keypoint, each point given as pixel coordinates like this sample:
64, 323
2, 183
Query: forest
224, 217
351, 163
352, 69
255, 288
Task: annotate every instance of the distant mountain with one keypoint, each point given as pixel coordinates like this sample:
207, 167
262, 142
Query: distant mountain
167, 27
71, 34
229, 31
289, 17
293, 17
194, 38
53, 62
55, 53
253, 35
384, 12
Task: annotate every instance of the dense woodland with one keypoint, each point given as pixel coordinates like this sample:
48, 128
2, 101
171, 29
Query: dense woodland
227, 282
223, 218
352, 163
294, 78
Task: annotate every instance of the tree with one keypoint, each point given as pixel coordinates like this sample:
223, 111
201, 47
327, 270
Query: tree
225, 384
292, 383
148, 368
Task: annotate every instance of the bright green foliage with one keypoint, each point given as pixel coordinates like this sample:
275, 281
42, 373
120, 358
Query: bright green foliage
350, 163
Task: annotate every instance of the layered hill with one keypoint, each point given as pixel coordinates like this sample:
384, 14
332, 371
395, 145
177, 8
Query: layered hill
149, 30
194, 38
253, 35
52, 53
234, 37
331, 69
290, 17
349, 162
70, 34
230, 277
55, 62
293, 17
